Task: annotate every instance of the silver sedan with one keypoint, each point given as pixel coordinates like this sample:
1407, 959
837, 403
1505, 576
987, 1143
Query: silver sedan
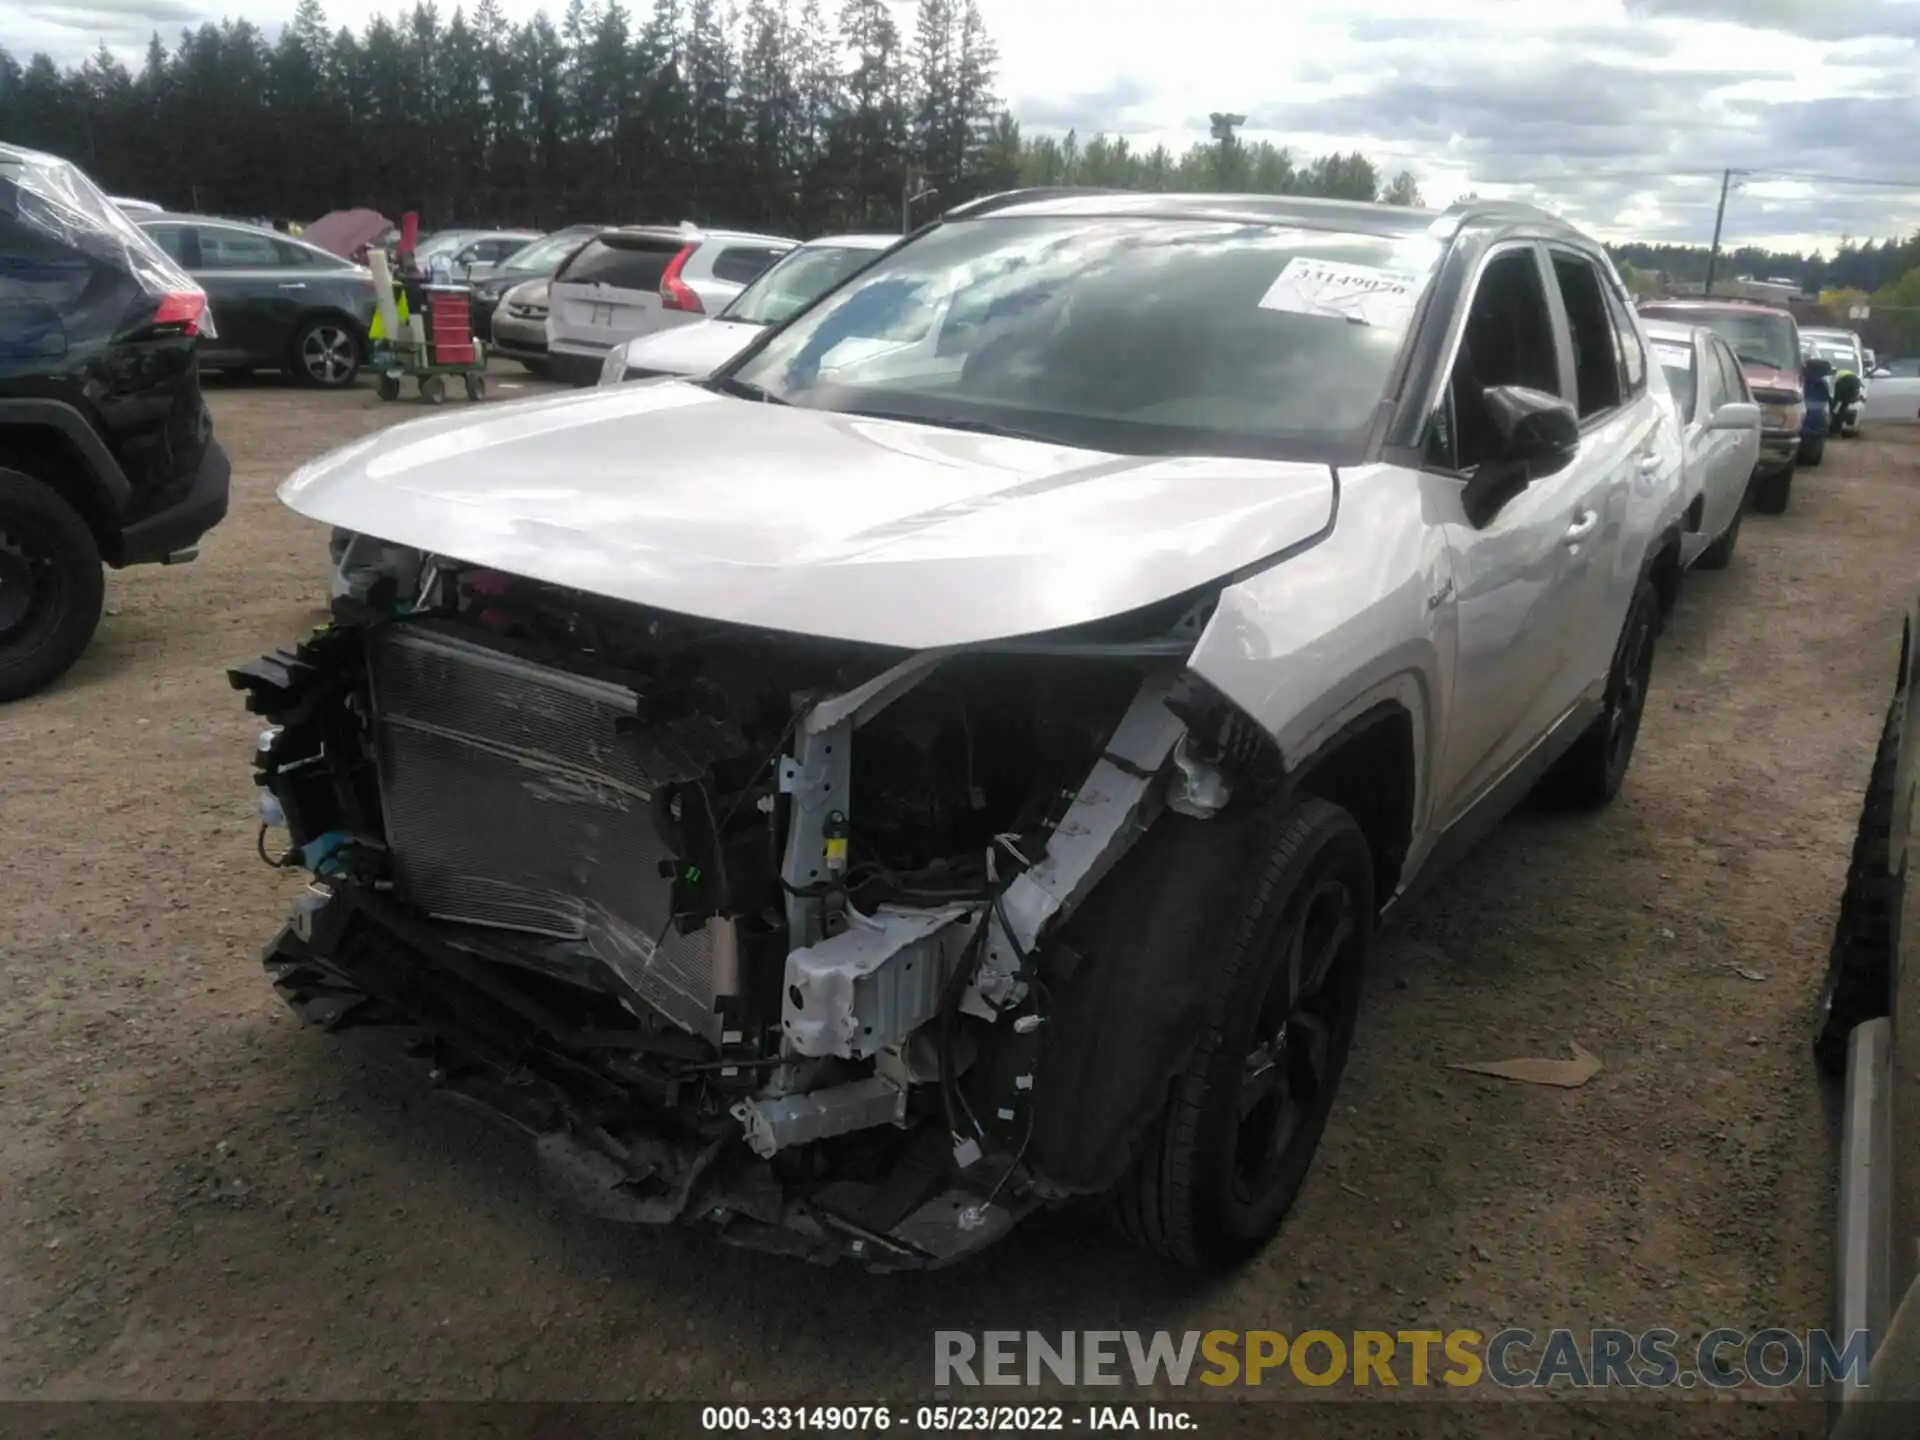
1720, 424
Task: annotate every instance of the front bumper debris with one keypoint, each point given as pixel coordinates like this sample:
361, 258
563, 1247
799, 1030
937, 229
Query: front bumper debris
349, 959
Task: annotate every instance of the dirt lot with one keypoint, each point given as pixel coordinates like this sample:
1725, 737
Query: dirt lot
199, 1199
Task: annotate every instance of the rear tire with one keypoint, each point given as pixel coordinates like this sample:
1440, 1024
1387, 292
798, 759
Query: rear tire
52, 589
476, 387
1812, 450
433, 389
1221, 1165
387, 388
1859, 981
1590, 774
1771, 491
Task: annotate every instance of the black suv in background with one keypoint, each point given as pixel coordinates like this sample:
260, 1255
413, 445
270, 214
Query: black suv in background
106, 448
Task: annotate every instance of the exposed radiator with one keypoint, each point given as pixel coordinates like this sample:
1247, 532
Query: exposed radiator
514, 799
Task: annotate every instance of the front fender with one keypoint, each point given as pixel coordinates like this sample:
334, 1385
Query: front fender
1306, 646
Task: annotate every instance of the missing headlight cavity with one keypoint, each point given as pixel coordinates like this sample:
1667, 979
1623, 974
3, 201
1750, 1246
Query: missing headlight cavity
689, 892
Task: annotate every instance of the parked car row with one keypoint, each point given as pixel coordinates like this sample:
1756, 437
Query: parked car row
1784, 374
1015, 687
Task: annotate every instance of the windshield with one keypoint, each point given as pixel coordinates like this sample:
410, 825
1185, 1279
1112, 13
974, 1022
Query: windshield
795, 282
1840, 352
1142, 336
1757, 339
444, 243
544, 255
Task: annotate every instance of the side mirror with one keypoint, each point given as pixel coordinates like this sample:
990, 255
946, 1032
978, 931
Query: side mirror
1736, 415
1538, 434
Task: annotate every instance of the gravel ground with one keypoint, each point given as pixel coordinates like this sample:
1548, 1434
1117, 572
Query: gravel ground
198, 1199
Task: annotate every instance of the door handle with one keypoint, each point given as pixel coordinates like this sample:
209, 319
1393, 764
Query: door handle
1649, 464
1584, 524
293, 284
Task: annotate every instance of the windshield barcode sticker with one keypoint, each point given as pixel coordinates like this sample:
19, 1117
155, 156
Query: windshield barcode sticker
1363, 294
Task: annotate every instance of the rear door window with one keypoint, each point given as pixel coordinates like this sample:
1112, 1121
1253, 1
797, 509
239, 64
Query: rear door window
1597, 363
180, 243
236, 250
627, 262
742, 264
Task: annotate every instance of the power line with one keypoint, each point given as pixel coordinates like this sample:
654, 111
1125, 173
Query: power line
1812, 175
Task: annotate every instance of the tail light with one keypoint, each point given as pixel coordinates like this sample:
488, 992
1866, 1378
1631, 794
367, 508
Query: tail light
184, 311
675, 294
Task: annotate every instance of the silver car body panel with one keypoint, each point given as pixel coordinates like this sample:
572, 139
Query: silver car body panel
1719, 461
1337, 594
811, 522
697, 349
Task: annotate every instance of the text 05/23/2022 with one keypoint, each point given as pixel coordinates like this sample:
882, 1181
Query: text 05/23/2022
942, 1419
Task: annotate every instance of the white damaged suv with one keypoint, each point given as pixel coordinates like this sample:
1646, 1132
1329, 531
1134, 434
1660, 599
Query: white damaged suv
953, 760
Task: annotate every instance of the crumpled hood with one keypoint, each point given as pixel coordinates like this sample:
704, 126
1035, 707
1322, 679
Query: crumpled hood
667, 495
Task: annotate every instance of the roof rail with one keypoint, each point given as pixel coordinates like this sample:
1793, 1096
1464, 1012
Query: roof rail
987, 204
1518, 209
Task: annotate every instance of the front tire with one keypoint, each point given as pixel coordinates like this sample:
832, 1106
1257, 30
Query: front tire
1221, 1165
1772, 490
326, 354
52, 589
1590, 774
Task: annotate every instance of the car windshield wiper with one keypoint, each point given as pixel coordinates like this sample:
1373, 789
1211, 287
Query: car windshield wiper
740, 389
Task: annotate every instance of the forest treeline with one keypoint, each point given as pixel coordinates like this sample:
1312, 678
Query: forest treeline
789, 115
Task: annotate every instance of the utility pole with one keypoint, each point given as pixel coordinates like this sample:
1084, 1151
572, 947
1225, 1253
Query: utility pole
913, 188
1719, 218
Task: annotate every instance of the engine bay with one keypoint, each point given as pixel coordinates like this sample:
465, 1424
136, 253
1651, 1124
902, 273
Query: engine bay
686, 884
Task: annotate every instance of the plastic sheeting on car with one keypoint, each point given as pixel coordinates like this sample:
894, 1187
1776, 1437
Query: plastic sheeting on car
45, 193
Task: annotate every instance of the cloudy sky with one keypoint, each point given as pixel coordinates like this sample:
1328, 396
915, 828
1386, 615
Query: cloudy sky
1620, 113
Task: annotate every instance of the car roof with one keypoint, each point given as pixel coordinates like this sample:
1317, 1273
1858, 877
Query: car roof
851, 242
695, 235
1718, 306
1672, 330
1360, 217
174, 217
